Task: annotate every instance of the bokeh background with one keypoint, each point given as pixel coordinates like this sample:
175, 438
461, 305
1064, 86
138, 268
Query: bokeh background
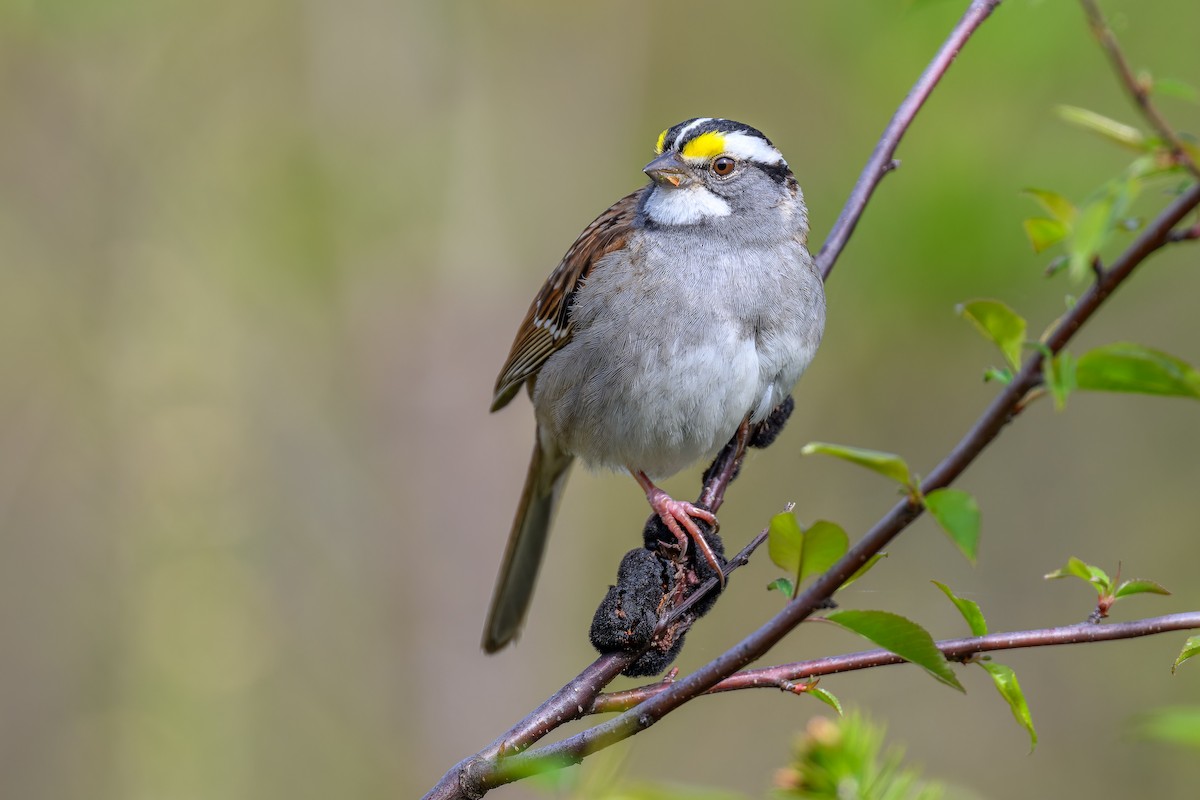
259, 265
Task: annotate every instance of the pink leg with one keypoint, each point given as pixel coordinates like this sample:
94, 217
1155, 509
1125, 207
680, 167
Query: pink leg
680, 516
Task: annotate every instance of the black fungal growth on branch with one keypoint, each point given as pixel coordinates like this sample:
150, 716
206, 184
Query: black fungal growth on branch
653, 579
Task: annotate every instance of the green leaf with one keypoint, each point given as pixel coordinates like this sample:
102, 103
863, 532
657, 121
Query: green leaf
1090, 235
1078, 569
1044, 233
824, 543
1101, 214
783, 586
1124, 135
1059, 372
1001, 376
1058, 207
958, 514
785, 541
1126, 588
1006, 683
999, 324
803, 552
872, 561
968, 608
1074, 568
1151, 165
1190, 648
1050, 376
901, 636
847, 759
887, 464
1128, 367
1056, 266
1180, 725
1125, 189
1171, 87
827, 698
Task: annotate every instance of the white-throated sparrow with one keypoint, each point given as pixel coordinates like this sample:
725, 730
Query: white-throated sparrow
683, 311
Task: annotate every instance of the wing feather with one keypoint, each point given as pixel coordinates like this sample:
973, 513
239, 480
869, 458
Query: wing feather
547, 323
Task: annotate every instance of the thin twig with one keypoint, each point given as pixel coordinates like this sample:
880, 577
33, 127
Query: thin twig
954, 650
740, 560
882, 160
1137, 88
1186, 234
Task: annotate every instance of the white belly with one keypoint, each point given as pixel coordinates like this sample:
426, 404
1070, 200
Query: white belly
646, 413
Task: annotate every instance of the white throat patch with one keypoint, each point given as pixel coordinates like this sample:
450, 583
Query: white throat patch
684, 206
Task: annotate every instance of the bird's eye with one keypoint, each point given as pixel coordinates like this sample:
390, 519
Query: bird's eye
723, 166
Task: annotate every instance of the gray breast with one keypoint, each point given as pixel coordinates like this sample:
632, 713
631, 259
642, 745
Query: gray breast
673, 344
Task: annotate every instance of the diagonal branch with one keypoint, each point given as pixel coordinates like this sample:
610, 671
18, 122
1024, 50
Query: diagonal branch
778, 677
1137, 88
882, 160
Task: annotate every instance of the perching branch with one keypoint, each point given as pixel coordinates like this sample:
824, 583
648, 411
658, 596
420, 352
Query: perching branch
1136, 87
566, 704
503, 761
779, 677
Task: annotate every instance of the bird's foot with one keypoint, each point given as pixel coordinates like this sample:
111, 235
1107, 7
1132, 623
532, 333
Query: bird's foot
680, 518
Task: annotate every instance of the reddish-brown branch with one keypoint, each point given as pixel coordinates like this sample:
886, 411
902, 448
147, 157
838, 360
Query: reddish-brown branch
1186, 234
778, 677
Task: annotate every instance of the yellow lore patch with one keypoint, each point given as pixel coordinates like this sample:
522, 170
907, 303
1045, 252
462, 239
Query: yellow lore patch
705, 146
658, 145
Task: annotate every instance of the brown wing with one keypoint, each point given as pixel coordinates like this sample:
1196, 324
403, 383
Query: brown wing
547, 324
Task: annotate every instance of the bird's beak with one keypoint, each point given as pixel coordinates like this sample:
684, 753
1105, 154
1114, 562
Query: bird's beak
668, 168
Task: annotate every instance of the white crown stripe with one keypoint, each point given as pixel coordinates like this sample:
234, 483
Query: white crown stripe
751, 148
682, 135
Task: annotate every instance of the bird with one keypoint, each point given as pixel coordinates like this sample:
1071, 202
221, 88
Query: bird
682, 314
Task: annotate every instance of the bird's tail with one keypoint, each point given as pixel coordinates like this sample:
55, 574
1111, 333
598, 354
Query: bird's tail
548, 468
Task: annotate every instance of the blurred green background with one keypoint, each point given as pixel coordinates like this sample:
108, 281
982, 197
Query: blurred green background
260, 264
